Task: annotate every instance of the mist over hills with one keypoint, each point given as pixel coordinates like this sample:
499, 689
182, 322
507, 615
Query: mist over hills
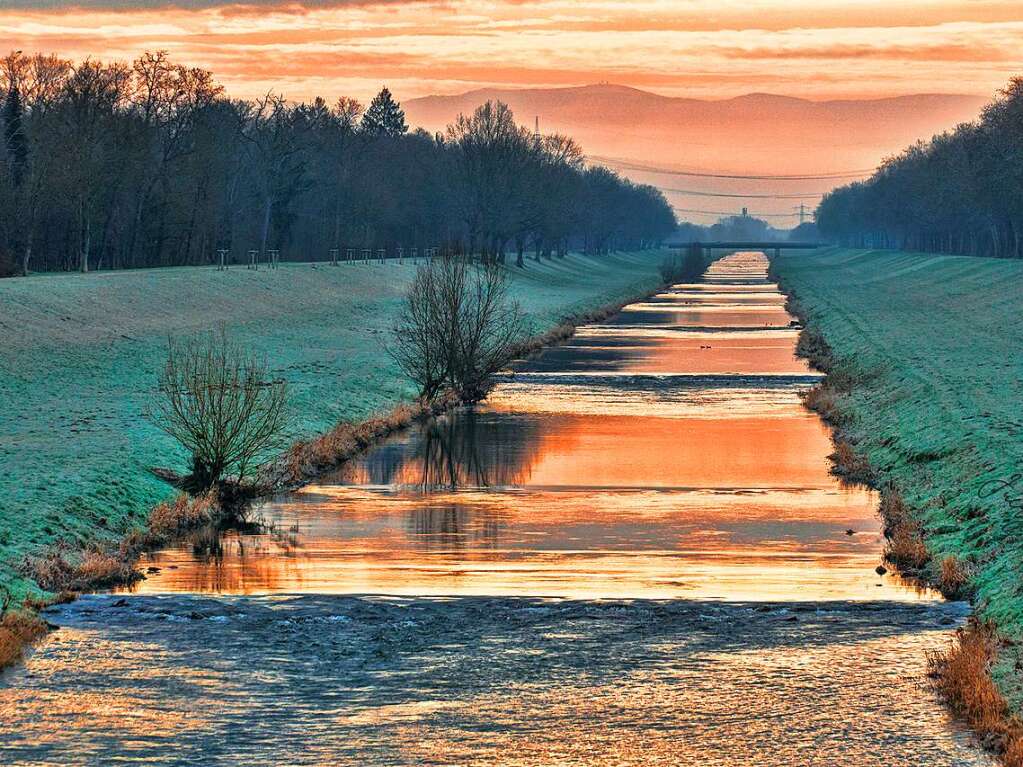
757, 132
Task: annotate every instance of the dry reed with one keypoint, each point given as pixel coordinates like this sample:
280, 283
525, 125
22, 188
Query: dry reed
962, 674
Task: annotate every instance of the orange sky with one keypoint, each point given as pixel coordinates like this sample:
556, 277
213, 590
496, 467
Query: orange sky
704, 48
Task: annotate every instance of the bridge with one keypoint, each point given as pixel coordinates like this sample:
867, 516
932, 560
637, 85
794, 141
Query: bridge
778, 247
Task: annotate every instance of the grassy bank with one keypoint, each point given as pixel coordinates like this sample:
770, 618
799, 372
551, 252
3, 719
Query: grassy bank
931, 352
80, 357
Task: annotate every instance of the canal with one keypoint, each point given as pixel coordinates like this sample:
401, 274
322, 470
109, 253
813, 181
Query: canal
633, 553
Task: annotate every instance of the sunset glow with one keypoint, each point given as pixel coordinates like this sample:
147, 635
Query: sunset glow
702, 48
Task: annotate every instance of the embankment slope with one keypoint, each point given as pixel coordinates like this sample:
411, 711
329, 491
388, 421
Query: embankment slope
80, 355
936, 345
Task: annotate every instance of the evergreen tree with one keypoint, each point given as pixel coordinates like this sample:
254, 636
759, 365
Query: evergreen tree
384, 116
14, 136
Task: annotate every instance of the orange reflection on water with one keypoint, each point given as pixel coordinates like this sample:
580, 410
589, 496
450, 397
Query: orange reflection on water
668, 351
636, 460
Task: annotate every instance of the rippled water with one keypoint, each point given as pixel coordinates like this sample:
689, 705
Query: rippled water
632, 554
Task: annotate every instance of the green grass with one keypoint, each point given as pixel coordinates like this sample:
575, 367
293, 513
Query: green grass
80, 356
937, 345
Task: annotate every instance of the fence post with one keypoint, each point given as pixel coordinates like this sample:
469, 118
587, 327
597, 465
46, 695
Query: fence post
253, 262
222, 253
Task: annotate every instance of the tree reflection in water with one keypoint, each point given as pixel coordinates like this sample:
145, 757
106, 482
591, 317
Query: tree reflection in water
463, 451
466, 449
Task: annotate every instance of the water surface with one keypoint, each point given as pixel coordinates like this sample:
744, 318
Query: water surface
632, 554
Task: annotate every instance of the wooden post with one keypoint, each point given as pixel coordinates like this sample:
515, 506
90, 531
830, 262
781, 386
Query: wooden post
333, 256
222, 253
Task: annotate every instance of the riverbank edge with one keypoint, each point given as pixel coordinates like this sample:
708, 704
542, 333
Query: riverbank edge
962, 671
103, 565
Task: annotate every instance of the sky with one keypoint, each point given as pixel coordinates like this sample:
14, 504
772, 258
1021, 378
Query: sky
701, 48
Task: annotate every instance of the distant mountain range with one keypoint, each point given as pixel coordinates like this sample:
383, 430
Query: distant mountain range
759, 132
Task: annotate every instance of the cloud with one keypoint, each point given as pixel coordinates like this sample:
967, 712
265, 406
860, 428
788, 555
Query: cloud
709, 48
189, 5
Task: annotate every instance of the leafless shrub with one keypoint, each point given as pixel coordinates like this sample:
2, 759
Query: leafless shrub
457, 328
220, 402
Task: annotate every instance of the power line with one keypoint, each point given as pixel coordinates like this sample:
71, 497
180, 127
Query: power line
697, 193
833, 175
733, 213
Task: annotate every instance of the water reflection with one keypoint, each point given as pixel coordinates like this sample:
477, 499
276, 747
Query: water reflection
643, 458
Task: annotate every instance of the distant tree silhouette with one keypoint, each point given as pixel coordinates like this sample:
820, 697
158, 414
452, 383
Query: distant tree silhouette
958, 193
151, 164
384, 116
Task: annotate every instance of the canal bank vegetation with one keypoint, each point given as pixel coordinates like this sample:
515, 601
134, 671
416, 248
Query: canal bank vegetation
923, 354
688, 267
221, 403
18, 628
457, 327
962, 673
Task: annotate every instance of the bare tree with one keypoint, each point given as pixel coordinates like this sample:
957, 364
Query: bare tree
220, 402
152, 164
458, 327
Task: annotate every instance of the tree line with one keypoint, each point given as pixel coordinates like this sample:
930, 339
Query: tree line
115, 165
961, 192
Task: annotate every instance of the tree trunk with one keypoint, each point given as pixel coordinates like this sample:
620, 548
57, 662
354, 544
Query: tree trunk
266, 227
84, 261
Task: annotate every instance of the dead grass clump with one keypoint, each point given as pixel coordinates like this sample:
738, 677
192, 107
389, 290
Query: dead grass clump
905, 548
95, 568
953, 577
812, 346
850, 465
17, 629
962, 673
346, 440
174, 518
825, 400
